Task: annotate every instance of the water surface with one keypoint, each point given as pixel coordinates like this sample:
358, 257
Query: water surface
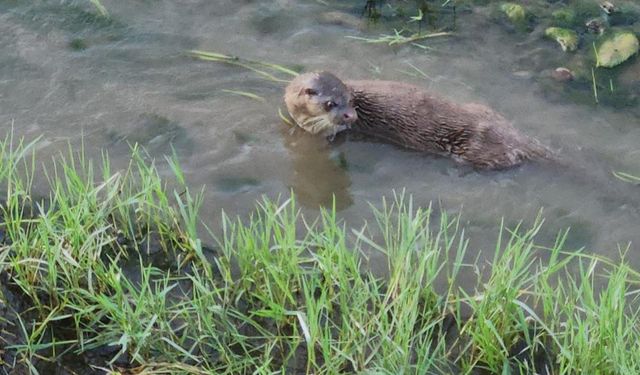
68, 76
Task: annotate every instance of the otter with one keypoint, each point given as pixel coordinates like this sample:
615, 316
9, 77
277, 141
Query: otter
409, 117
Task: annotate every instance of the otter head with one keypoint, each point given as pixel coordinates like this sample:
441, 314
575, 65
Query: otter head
320, 103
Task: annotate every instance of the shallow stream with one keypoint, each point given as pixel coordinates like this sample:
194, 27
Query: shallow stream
72, 77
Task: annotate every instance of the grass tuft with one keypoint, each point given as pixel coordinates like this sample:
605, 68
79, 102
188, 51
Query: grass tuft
111, 266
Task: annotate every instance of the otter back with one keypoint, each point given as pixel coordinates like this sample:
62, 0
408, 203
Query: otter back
410, 117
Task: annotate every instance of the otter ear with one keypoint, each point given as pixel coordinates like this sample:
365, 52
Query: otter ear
308, 91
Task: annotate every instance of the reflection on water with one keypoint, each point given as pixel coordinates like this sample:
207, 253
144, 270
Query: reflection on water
65, 73
318, 176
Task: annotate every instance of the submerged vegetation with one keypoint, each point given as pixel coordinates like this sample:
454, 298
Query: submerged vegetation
626, 177
398, 38
263, 69
576, 25
102, 11
111, 269
598, 40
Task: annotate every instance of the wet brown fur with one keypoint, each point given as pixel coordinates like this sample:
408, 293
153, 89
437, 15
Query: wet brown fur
410, 117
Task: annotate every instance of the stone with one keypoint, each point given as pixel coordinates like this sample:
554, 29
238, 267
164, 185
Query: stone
568, 39
629, 78
562, 74
615, 46
515, 12
596, 25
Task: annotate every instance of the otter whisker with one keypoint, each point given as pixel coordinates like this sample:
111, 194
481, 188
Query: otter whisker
317, 124
323, 125
311, 120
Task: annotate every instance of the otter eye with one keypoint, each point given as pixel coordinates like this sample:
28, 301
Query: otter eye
329, 105
310, 92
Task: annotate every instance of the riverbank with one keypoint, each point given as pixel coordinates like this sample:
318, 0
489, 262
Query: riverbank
111, 271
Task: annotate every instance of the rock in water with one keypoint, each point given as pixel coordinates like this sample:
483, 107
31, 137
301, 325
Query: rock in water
515, 12
562, 74
615, 46
568, 39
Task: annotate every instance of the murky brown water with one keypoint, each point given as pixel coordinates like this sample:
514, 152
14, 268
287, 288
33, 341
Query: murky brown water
133, 83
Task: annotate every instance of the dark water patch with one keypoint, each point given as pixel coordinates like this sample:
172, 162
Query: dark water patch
156, 133
236, 184
582, 92
624, 18
585, 10
272, 20
340, 159
27, 69
78, 44
244, 137
629, 78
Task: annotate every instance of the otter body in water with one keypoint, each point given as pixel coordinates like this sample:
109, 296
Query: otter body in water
408, 116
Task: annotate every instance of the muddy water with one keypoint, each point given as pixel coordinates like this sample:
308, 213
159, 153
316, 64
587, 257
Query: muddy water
66, 75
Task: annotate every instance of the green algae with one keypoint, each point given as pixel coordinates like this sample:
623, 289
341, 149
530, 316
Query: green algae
568, 39
615, 47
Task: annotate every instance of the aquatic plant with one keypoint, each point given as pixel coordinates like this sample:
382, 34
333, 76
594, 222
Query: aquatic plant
100, 8
398, 38
627, 177
264, 69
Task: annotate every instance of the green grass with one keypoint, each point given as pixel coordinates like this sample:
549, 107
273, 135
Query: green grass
285, 293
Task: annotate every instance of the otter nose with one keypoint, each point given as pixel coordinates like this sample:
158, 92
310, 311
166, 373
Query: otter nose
350, 116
